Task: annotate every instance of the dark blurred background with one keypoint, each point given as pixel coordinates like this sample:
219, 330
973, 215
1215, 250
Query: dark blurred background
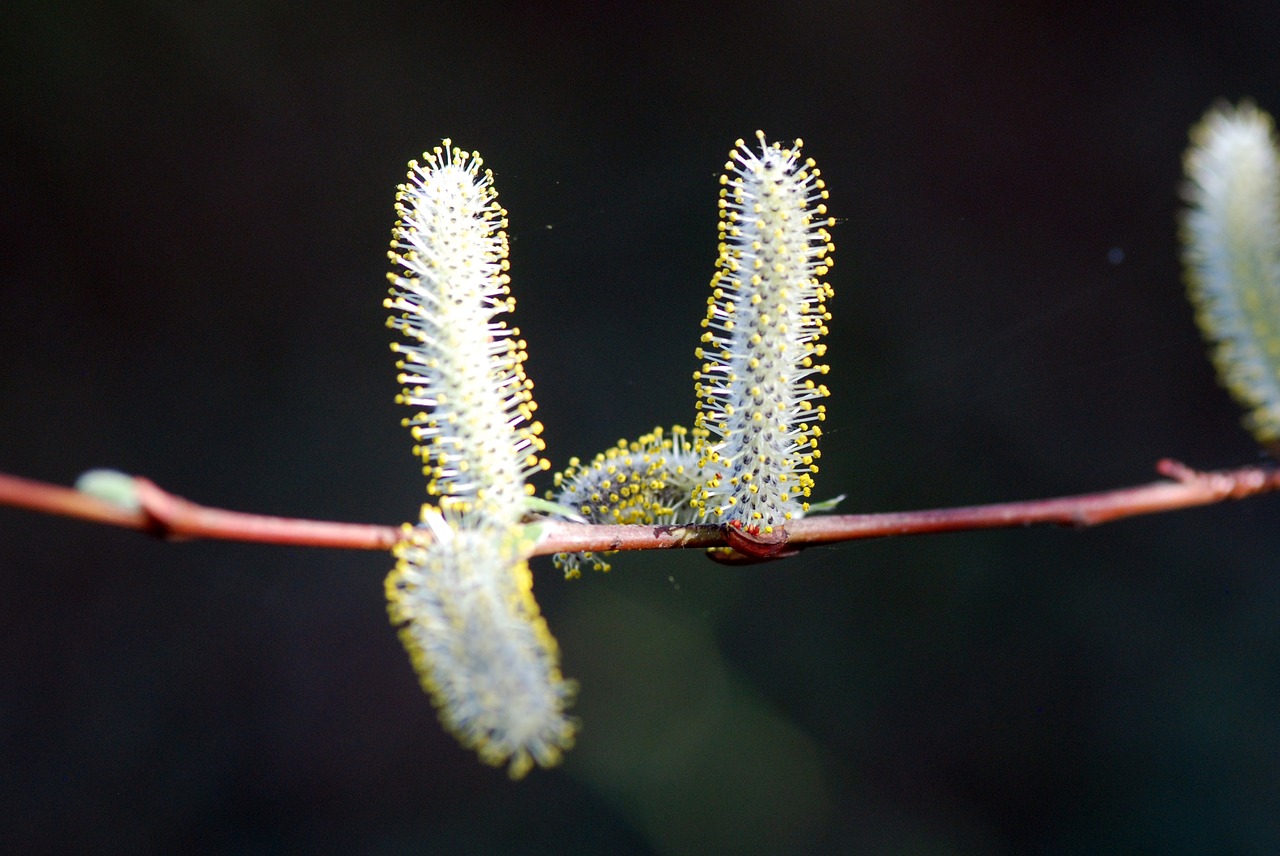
195, 204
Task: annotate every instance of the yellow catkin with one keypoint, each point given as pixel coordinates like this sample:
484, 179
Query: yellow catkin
645, 481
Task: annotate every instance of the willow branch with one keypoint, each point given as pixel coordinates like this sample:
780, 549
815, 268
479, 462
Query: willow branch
165, 515
171, 517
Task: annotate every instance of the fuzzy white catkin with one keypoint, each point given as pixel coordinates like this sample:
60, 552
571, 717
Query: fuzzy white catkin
461, 591
756, 388
464, 603
463, 366
1231, 238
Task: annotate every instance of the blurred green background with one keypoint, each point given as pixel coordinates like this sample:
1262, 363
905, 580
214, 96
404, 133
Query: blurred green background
195, 204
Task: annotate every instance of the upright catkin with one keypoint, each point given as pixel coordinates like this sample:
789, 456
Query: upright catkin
756, 388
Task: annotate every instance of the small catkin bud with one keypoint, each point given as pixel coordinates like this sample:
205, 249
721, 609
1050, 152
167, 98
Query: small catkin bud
646, 481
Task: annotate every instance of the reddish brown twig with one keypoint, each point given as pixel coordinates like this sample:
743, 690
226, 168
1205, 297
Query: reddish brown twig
1187, 489
176, 517
173, 517
65, 502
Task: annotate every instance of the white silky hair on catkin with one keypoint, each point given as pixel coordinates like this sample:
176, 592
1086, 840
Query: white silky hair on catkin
464, 604
462, 365
1231, 237
461, 591
756, 391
